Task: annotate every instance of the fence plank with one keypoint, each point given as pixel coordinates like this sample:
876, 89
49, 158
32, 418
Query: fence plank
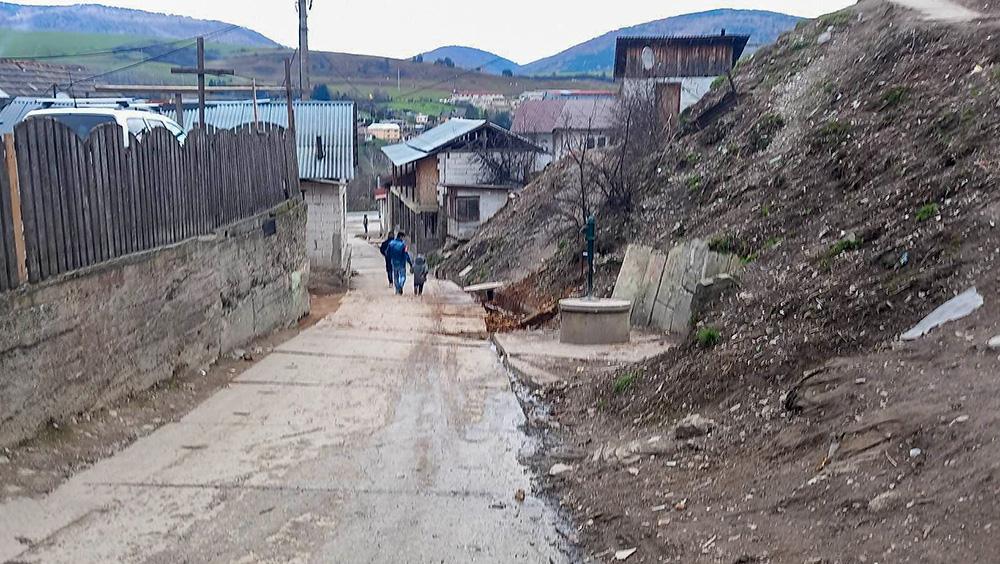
82, 202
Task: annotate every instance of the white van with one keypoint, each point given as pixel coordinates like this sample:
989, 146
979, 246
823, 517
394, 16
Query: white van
84, 120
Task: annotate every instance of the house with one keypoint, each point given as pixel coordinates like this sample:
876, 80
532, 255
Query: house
675, 71
390, 132
560, 125
36, 79
327, 153
449, 180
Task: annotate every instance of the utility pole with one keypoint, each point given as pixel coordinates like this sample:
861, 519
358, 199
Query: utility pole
304, 88
288, 95
201, 71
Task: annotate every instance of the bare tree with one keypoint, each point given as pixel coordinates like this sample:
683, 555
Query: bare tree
505, 160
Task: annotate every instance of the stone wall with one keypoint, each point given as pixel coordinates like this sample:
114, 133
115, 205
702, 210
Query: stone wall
667, 290
86, 338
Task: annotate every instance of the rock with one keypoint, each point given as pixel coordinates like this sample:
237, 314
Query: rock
558, 469
248, 357
237, 354
4, 460
885, 500
624, 554
633, 471
994, 343
681, 505
693, 426
915, 452
825, 37
952, 310
519, 496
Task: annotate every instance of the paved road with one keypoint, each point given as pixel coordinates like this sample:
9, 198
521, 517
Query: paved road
386, 433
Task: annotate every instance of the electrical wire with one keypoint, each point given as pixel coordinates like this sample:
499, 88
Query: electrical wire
113, 51
129, 66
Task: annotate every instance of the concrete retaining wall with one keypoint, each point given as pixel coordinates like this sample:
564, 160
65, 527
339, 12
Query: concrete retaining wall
666, 289
84, 339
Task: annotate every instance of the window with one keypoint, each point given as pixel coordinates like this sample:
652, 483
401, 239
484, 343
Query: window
467, 209
591, 142
80, 123
602, 142
136, 126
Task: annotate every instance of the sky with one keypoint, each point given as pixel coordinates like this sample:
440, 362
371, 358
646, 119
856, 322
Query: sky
521, 30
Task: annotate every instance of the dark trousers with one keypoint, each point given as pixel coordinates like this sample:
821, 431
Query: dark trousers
388, 272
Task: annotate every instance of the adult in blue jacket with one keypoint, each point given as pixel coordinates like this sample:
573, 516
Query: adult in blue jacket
399, 257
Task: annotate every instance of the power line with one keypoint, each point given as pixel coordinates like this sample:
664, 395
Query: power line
150, 59
115, 51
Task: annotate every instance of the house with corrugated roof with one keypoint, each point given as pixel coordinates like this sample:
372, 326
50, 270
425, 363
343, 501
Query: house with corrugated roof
561, 125
449, 180
327, 150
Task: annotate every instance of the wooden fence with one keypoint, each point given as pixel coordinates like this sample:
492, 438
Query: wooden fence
83, 202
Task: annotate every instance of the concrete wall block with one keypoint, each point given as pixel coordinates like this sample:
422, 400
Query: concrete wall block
632, 281
87, 338
642, 311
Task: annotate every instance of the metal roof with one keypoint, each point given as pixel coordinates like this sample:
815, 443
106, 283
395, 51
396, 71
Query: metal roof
328, 123
433, 140
445, 133
401, 154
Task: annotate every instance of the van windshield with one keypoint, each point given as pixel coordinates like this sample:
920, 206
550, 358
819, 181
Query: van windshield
82, 124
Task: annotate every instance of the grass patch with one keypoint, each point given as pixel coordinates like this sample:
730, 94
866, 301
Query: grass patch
723, 244
719, 82
894, 96
624, 382
763, 132
844, 245
708, 337
927, 211
833, 132
836, 19
693, 182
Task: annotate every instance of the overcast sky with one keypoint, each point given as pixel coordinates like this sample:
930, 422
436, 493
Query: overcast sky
521, 30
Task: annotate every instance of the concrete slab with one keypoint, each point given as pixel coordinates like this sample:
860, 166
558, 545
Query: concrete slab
541, 359
382, 434
632, 282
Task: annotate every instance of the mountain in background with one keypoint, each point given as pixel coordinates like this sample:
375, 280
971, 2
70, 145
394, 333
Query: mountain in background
472, 58
597, 56
96, 19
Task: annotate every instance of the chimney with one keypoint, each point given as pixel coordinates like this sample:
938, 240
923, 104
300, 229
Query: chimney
723, 32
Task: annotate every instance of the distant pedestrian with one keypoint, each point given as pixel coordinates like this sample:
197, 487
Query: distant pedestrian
384, 249
419, 274
366, 226
399, 257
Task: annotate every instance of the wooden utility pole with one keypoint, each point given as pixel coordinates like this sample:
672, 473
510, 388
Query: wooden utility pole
288, 95
201, 71
179, 108
304, 88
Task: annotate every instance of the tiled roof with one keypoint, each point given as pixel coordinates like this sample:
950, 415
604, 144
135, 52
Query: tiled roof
31, 78
546, 116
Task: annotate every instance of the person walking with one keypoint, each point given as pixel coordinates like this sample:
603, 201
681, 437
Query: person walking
384, 249
366, 226
399, 257
419, 269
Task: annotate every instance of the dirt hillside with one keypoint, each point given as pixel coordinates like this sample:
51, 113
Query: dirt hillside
856, 174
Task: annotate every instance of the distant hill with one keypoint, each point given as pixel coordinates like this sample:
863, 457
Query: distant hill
597, 55
96, 19
472, 58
